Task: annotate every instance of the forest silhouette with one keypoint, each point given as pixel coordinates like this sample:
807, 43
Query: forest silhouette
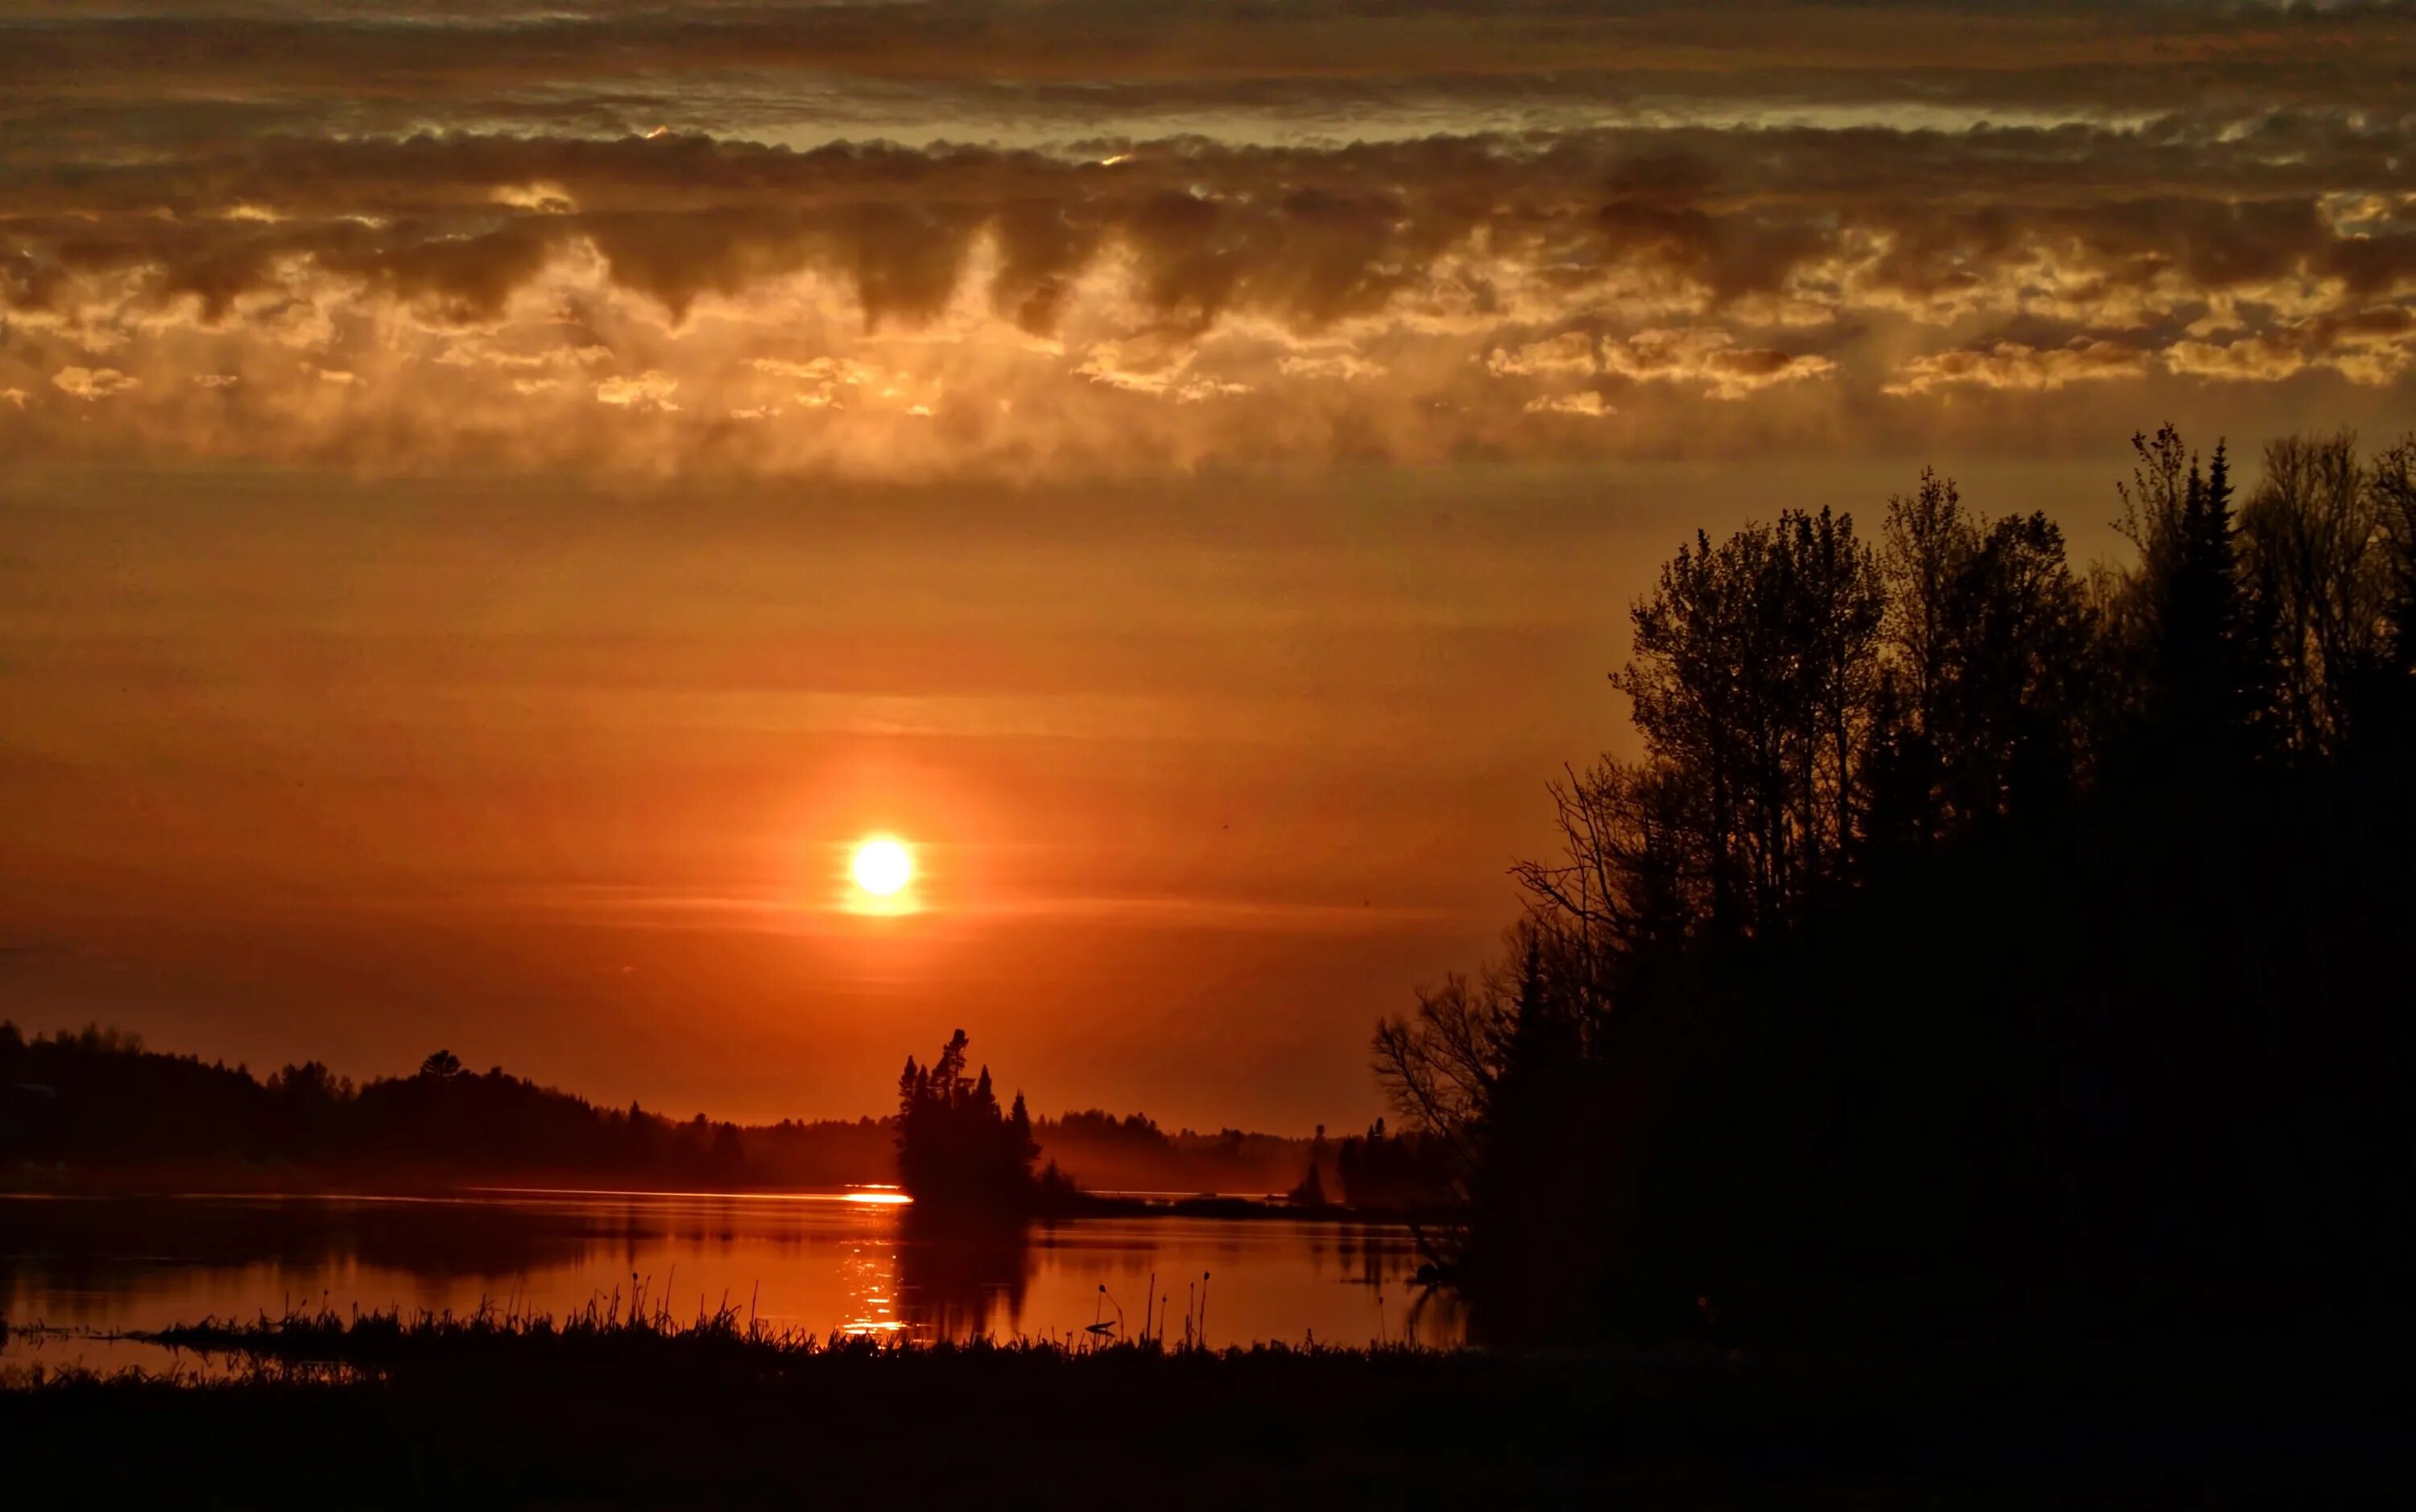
96, 1107
1976, 940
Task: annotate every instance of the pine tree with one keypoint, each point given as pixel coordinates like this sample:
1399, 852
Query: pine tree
957, 1150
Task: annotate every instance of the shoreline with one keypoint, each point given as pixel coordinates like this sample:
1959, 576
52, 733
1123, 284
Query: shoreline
1081, 1206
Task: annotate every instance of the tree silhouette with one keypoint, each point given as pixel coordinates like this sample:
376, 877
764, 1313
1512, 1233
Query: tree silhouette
2316, 547
1990, 643
957, 1150
95, 1098
1754, 683
2392, 482
1970, 937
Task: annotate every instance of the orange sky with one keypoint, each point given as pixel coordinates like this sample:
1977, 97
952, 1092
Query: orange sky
491, 506
1203, 775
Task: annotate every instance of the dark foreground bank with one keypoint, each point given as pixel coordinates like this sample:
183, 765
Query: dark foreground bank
386, 1414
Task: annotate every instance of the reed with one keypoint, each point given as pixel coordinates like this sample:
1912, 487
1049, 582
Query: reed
626, 1402
639, 1330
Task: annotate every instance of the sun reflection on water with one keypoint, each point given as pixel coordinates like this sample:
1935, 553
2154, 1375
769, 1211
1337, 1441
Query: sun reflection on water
870, 1273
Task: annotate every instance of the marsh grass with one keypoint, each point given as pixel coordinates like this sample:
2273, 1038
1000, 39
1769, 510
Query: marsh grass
635, 1335
627, 1401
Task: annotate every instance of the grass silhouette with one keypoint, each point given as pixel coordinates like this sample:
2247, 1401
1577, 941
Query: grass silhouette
628, 1403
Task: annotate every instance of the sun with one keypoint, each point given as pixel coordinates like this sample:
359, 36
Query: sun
882, 867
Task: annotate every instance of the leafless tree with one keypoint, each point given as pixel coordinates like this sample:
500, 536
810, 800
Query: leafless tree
2317, 561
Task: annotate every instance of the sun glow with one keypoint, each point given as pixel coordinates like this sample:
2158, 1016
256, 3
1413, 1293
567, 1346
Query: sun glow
882, 867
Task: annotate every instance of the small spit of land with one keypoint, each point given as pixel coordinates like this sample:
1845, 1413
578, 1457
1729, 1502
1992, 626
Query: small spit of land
603, 1409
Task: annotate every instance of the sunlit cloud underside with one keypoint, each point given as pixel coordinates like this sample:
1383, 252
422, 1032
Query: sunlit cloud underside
1657, 232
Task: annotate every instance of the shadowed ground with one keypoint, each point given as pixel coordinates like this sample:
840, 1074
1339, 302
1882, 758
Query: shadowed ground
644, 1414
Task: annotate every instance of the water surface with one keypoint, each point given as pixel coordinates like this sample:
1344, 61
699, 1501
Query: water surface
827, 1263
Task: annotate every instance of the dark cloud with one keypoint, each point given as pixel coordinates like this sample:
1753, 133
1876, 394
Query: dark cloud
1791, 202
430, 48
76, 80
1312, 236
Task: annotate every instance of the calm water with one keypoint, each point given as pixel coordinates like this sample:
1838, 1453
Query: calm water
824, 1263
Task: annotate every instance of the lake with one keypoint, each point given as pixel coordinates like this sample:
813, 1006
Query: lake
826, 1262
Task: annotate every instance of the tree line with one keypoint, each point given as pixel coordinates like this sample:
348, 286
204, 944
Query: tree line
97, 1104
1974, 936
97, 1099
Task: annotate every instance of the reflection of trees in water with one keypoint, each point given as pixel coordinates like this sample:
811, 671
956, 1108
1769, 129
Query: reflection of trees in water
113, 1244
1383, 1259
1435, 1317
86, 1255
103, 1260
1372, 1255
958, 1279
121, 1246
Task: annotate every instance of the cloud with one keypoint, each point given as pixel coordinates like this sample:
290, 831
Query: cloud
1154, 369
2372, 346
1829, 221
1343, 365
1585, 403
2069, 220
489, 55
651, 390
1711, 358
1571, 351
2010, 365
90, 383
